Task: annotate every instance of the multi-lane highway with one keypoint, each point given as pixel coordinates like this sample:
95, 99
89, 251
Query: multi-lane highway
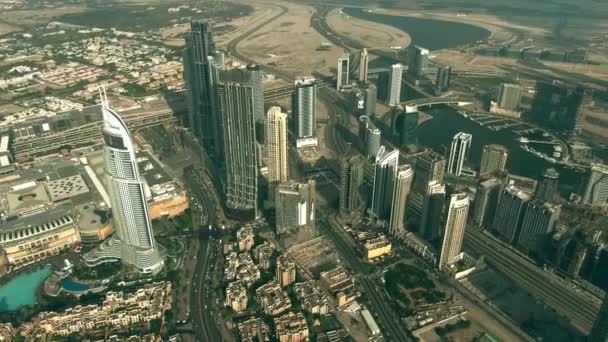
580, 309
204, 323
392, 327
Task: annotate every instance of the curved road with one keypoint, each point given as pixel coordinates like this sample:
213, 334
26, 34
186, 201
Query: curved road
232, 47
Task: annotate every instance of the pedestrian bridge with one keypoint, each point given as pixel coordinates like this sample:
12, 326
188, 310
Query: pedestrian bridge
413, 105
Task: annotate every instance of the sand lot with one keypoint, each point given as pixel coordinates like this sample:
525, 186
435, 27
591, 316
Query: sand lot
173, 35
4, 29
367, 33
36, 17
290, 43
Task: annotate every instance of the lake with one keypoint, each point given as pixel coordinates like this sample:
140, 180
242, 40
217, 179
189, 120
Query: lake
21, 290
428, 33
437, 133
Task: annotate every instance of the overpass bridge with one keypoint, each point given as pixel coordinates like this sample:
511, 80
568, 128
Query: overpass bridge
277, 93
459, 72
83, 135
429, 101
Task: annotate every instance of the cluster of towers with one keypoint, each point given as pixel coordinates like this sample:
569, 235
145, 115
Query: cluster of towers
227, 116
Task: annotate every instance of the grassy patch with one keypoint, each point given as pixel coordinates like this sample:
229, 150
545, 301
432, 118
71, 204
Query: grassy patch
408, 283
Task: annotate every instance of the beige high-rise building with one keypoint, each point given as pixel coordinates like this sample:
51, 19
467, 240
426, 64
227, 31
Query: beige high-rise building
286, 271
363, 65
295, 206
455, 223
493, 159
276, 143
403, 184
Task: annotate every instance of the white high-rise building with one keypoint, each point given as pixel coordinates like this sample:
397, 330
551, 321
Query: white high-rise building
596, 187
276, 144
461, 143
455, 224
342, 78
385, 170
133, 243
304, 112
363, 65
394, 95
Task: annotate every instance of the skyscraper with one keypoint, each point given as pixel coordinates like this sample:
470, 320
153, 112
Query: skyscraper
133, 242
455, 224
343, 76
461, 143
257, 79
363, 63
596, 186
547, 190
486, 200
370, 135
510, 213
371, 94
418, 61
509, 96
493, 159
403, 184
199, 77
276, 144
236, 89
432, 211
304, 112
385, 170
538, 222
599, 331
558, 106
352, 174
430, 166
442, 82
405, 124
295, 206
394, 84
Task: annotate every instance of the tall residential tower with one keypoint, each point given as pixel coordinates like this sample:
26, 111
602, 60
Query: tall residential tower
455, 223
304, 112
363, 64
236, 89
394, 85
133, 242
343, 76
276, 144
461, 143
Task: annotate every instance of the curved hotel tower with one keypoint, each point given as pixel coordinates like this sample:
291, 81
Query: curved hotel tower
133, 243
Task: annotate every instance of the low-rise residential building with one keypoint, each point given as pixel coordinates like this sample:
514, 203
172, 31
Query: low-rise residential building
254, 330
6, 332
117, 312
273, 299
291, 327
263, 254
377, 247
236, 296
340, 284
285, 271
245, 238
312, 298
241, 267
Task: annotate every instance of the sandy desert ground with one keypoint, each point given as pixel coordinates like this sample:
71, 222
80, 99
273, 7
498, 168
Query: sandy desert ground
28, 18
290, 43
